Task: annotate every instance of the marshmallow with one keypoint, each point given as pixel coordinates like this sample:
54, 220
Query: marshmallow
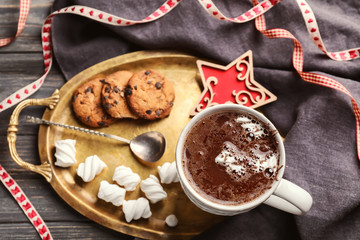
136, 209
171, 220
152, 189
92, 167
65, 152
168, 173
124, 176
111, 193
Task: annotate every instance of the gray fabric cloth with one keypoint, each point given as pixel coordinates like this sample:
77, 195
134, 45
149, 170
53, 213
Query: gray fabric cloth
317, 122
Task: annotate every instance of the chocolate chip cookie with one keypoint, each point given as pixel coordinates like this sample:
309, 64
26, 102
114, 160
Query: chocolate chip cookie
113, 95
87, 104
150, 95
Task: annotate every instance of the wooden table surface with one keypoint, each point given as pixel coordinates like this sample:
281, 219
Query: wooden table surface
21, 63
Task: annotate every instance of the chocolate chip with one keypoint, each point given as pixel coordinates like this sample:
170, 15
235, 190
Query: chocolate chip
107, 89
147, 73
148, 82
158, 85
135, 87
101, 124
102, 80
158, 112
107, 106
106, 97
115, 102
128, 91
148, 111
89, 89
116, 90
81, 102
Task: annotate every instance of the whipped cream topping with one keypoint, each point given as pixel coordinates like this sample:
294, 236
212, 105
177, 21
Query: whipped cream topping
65, 152
251, 125
258, 156
92, 167
171, 220
237, 164
136, 209
153, 189
111, 193
168, 173
124, 176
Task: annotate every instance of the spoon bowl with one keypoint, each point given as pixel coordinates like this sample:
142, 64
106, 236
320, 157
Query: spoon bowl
148, 147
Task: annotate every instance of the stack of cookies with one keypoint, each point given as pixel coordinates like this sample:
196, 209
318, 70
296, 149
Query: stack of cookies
146, 94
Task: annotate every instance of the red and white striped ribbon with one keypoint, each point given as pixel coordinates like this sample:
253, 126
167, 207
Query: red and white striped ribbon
24, 9
84, 11
254, 13
298, 61
313, 29
314, 32
111, 19
25, 204
249, 15
100, 16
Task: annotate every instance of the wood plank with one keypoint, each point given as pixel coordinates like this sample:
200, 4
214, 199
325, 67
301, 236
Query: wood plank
46, 201
20, 64
27, 150
30, 39
63, 230
18, 70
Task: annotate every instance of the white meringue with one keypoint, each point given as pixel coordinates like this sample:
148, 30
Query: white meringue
65, 152
152, 189
92, 167
111, 193
171, 220
168, 173
124, 176
136, 209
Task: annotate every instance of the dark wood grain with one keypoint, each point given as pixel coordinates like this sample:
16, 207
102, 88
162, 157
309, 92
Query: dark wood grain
64, 230
20, 64
29, 40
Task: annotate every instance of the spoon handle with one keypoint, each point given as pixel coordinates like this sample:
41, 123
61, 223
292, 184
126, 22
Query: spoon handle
85, 130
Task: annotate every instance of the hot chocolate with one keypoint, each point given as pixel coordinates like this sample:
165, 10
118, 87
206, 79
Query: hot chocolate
230, 158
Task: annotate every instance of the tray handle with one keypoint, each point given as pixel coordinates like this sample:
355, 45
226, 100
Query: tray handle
44, 169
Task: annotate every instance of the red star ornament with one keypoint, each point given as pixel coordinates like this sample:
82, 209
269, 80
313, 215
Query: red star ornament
233, 83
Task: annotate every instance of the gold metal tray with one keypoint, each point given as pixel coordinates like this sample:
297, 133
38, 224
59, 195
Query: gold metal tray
181, 69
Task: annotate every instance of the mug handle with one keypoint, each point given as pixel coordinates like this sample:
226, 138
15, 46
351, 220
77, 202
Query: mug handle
290, 198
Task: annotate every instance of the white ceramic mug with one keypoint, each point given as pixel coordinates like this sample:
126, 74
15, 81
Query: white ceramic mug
283, 194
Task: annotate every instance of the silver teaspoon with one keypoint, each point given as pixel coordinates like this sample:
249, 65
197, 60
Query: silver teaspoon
147, 147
